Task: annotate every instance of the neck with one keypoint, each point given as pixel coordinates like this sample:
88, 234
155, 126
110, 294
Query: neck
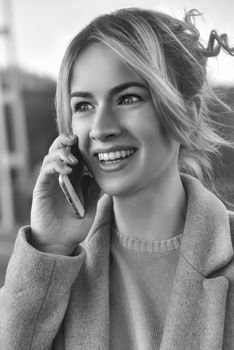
155, 213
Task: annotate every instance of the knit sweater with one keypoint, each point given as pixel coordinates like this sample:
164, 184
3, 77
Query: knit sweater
63, 303
141, 278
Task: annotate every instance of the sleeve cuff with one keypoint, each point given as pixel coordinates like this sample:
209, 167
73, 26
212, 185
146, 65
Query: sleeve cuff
29, 264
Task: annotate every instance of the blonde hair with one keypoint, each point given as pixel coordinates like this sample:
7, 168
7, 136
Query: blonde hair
168, 55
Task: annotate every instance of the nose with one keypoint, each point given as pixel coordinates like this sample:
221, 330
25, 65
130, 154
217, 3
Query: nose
105, 124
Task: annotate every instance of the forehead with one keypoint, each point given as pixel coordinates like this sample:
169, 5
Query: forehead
99, 68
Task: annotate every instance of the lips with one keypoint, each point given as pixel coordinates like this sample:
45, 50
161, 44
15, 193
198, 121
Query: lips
115, 158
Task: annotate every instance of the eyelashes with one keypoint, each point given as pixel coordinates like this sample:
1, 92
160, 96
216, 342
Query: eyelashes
129, 99
125, 100
81, 107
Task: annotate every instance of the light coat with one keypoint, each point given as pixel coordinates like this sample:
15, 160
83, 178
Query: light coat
200, 314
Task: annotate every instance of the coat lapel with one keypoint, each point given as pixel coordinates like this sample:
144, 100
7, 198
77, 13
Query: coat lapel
88, 316
196, 313
97, 263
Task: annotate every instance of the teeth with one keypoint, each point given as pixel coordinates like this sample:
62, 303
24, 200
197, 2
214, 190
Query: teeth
115, 155
112, 156
105, 156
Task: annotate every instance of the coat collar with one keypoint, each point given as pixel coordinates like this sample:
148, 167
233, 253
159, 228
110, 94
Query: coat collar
197, 310
196, 313
206, 242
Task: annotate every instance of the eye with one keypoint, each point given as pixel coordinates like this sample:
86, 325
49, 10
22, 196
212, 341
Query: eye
129, 99
81, 107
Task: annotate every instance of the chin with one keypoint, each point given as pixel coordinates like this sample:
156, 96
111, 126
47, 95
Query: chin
116, 189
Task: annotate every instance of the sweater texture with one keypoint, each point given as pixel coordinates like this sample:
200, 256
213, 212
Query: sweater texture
52, 302
141, 278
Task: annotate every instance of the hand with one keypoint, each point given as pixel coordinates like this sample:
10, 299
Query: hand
55, 228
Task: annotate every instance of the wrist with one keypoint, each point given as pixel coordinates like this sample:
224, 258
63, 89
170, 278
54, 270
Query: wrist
56, 249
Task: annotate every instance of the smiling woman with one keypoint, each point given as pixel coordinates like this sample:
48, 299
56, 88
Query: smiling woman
115, 113
150, 265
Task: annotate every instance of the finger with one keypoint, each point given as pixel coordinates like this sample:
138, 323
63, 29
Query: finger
49, 173
56, 167
62, 141
61, 154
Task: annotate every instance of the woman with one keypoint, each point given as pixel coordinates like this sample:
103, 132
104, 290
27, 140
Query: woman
150, 266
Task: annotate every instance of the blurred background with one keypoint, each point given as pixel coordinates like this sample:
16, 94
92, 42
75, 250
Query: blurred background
33, 37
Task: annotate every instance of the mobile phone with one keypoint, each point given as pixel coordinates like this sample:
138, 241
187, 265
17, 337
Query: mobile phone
71, 184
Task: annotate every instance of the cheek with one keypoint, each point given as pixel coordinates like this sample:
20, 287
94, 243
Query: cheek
81, 130
146, 130
157, 144
156, 135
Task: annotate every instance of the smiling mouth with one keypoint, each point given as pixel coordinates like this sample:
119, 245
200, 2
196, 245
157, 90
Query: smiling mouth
115, 157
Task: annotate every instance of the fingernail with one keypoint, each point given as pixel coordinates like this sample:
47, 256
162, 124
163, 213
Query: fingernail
72, 159
67, 168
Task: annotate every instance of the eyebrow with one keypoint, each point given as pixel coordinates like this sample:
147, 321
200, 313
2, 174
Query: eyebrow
115, 90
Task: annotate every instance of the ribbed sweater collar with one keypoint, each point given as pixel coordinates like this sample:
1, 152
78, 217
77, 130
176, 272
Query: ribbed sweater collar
145, 245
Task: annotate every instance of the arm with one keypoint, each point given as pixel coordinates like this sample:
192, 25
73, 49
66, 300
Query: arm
34, 298
46, 260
